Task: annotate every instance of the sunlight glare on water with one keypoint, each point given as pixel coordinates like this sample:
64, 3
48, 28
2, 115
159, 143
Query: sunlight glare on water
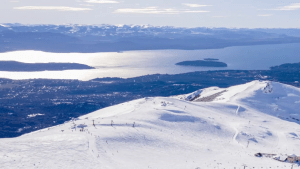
137, 63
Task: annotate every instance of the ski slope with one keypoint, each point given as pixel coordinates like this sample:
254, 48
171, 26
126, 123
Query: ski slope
220, 128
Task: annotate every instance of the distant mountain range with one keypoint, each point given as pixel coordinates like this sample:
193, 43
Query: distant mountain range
105, 38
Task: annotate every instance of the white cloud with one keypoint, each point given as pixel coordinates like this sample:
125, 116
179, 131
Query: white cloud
265, 15
291, 7
154, 10
102, 1
194, 5
148, 10
58, 8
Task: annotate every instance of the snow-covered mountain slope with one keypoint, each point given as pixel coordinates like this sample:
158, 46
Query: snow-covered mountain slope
222, 128
272, 98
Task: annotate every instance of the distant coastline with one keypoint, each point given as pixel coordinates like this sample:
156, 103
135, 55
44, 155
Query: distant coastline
287, 66
31, 67
208, 62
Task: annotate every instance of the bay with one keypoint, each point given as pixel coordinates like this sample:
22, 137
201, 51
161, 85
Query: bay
138, 63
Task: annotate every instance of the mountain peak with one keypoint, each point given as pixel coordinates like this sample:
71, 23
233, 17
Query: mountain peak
222, 128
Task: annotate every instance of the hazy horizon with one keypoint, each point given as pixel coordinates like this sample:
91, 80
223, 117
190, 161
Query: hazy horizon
101, 24
178, 13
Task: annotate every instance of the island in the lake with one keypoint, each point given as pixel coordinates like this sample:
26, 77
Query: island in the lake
203, 63
210, 59
31, 67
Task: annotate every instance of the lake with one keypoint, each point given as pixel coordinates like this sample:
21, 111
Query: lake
137, 63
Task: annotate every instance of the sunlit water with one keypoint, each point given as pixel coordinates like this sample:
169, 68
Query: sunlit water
138, 63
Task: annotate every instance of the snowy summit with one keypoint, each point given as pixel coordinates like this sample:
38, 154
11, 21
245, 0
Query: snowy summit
210, 128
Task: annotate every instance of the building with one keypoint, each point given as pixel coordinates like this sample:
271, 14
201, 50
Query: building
281, 158
293, 158
264, 155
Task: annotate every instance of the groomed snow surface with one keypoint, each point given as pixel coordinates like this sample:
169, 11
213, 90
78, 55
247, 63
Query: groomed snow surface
221, 128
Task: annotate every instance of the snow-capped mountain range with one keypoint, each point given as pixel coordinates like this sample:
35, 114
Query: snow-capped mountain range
210, 128
105, 30
115, 38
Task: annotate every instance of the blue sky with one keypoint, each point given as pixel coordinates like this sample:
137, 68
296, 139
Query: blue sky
180, 13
